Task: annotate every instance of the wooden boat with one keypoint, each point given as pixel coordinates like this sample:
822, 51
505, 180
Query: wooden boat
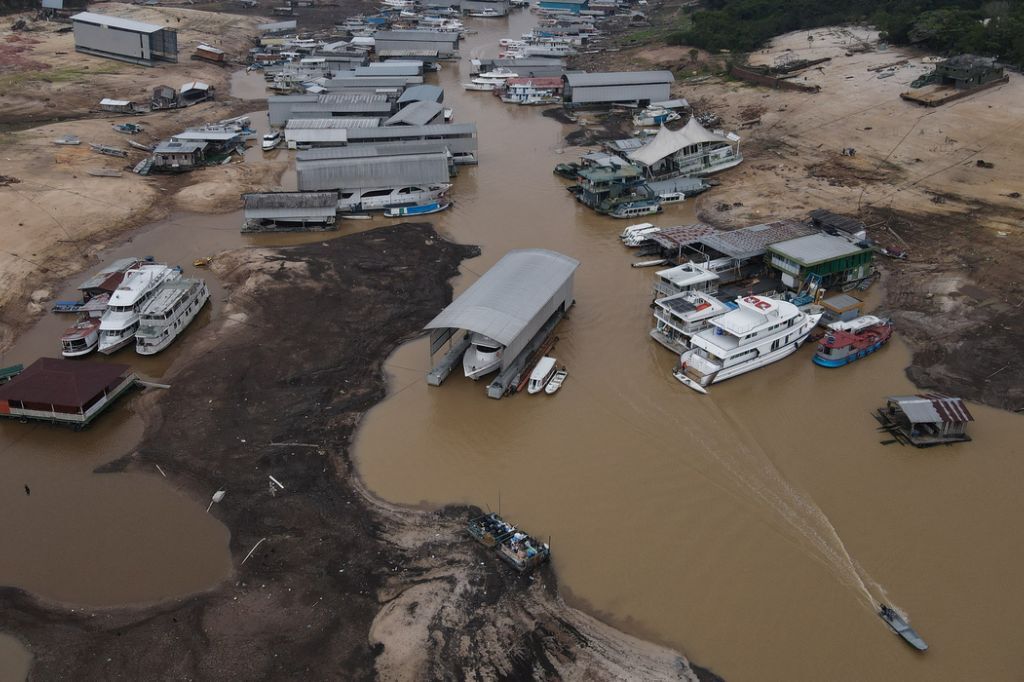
81, 338
127, 128
515, 547
901, 627
556, 381
420, 209
68, 139
109, 151
103, 173
139, 145
846, 342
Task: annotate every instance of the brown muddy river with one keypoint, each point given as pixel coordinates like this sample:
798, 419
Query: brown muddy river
751, 528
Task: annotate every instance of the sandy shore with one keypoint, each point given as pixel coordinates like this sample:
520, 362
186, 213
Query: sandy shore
341, 585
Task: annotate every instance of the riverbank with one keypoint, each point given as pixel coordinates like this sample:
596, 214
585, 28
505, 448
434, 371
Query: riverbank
339, 584
914, 180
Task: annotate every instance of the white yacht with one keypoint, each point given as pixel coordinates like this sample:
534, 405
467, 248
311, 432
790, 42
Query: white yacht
121, 318
759, 332
174, 305
379, 199
482, 357
541, 375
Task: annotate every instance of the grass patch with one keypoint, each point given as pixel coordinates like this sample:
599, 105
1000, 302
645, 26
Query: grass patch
66, 74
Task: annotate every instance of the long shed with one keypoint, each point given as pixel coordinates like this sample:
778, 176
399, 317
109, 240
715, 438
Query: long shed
124, 39
596, 89
372, 173
289, 211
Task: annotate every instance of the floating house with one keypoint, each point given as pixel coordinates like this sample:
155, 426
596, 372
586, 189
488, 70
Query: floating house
840, 308
210, 53
176, 156
64, 391
459, 138
373, 176
537, 90
164, 97
638, 88
123, 39
517, 304
107, 280
925, 420
602, 188
118, 106
218, 139
691, 150
289, 211
195, 92
323, 132
492, 8
446, 43
834, 259
964, 72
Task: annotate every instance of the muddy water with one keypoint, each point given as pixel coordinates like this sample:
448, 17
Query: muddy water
752, 528
15, 659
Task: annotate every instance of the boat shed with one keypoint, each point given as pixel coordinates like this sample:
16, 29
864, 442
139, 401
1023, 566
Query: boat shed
459, 138
381, 149
390, 68
282, 108
517, 303
926, 419
194, 92
836, 260
445, 42
64, 391
372, 173
752, 242
526, 67
289, 211
344, 81
421, 93
124, 39
418, 114
626, 87
120, 106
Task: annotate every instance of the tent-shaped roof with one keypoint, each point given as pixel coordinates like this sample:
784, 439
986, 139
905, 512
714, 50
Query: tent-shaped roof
502, 303
668, 142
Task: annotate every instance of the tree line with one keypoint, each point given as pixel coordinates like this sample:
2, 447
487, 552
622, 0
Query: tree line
994, 29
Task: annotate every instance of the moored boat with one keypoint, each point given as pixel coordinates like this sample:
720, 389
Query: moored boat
419, 209
81, 338
901, 627
271, 140
482, 357
166, 315
634, 209
541, 374
759, 332
847, 342
514, 546
121, 318
556, 381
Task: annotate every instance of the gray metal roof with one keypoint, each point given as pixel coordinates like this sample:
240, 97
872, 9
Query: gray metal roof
576, 80
310, 108
416, 114
933, 408
379, 69
748, 242
815, 248
841, 302
278, 26
342, 82
370, 173
362, 151
507, 297
116, 22
428, 53
448, 37
179, 147
422, 93
438, 130
331, 123
290, 205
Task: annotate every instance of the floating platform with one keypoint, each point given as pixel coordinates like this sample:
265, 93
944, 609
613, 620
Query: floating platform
515, 547
936, 96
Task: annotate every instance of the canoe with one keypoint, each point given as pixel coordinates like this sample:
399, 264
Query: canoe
422, 209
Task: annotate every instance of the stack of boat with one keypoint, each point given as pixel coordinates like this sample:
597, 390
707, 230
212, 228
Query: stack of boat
151, 306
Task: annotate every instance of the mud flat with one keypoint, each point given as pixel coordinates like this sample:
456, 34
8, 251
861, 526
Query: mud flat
339, 585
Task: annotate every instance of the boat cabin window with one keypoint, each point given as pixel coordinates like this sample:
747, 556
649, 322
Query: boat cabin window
487, 349
377, 193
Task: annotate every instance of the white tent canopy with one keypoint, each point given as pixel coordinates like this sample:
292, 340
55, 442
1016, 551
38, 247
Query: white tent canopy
668, 142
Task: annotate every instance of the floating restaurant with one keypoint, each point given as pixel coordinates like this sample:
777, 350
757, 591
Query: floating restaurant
64, 391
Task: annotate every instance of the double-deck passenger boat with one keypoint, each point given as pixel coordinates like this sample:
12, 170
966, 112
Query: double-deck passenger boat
166, 315
121, 318
847, 342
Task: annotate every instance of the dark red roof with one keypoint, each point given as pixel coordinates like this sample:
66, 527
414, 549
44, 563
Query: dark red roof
62, 382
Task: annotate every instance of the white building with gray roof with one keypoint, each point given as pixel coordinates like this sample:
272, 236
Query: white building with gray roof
124, 39
626, 87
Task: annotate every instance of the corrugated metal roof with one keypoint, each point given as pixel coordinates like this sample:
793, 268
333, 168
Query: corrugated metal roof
344, 82
505, 299
316, 135
331, 123
933, 408
748, 242
369, 173
382, 108
681, 235
439, 130
67, 383
448, 37
179, 147
416, 114
362, 151
200, 134
422, 93
116, 22
815, 248
383, 54
255, 200
576, 80
382, 69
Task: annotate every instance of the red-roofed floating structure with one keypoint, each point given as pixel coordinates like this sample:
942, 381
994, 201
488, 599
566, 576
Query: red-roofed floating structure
64, 391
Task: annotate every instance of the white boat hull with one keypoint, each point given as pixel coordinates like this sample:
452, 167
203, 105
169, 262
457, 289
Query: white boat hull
109, 348
186, 320
476, 365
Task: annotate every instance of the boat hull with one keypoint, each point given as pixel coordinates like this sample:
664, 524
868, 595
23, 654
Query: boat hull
852, 357
186, 319
114, 347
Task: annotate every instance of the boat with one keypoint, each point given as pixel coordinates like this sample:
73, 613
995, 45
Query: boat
485, 12
514, 546
634, 209
9, 372
637, 238
653, 116
127, 128
140, 146
355, 216
499, 73
108, 150
103, 173
901, 627
846, 342
630, 230
482, 357
759, 332
362, 200
541, 374
170, 310
419, 209
672, 197
271, 140
68, 139
81, 338
556, 381
121, 318
679, 316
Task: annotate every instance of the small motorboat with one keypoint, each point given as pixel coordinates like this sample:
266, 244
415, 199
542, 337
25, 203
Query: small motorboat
846, 342
901, 627
419, 209
541, 374
68, 139
81, 338
271, 140
556, 381
672, 197
128, 128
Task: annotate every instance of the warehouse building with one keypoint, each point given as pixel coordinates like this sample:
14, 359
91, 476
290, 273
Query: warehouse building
123, 39
421, 93
344, 83
515, 305
323, 132
639, 88
289, 211
282, 108
418, 114
366, 151
373, 174
460, 138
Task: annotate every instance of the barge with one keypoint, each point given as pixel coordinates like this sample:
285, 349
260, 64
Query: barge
515, 547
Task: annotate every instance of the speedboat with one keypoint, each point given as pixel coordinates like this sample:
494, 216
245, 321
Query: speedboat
482, 357
420, 209
846, 342
271, 140
556, 381
541, 374
901, 627
759, 332
653, 116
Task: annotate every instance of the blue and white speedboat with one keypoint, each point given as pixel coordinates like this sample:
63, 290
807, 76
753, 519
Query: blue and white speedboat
417, 210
